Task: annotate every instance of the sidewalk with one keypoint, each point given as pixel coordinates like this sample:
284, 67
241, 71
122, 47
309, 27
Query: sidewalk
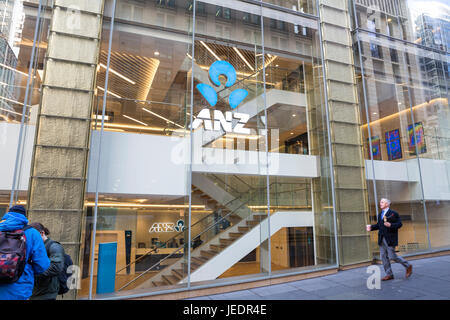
430, 280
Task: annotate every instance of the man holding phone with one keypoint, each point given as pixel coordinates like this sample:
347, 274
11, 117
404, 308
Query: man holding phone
388, 223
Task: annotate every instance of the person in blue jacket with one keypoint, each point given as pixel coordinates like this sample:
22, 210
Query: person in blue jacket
22, 289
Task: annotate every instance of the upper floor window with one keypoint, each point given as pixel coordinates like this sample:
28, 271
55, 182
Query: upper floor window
252, 18
224, 13
166, 3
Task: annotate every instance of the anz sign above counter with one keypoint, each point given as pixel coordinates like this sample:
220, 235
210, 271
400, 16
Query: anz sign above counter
217, 69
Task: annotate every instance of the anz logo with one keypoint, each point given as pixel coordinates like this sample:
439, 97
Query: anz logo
220, 120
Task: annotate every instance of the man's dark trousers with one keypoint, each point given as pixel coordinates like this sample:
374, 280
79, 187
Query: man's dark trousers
388, 239
388, 253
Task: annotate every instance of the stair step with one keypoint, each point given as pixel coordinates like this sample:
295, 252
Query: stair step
178, 273
159, 283
217, 247
207, 253
259, 217
199, 260
252, 223
226, 241
235, 235
193, 265
244, 229
170, 279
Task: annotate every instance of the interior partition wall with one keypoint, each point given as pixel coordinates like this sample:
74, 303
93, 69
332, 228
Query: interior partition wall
208, 144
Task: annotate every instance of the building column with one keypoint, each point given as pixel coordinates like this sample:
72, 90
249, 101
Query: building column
351, 202
60, 156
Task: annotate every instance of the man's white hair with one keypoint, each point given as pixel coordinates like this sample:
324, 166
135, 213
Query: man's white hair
387, 200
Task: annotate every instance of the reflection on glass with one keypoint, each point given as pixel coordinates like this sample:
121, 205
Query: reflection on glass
407, 108
17, 32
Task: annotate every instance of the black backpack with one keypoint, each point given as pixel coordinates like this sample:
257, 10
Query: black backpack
13, 251
63, 275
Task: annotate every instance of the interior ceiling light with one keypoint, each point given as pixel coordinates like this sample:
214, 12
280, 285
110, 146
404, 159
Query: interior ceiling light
209, 49
111, 93
139, 205
161, 117
99, 117
133, 119
118, 74
243, 58
397, 114
127, 126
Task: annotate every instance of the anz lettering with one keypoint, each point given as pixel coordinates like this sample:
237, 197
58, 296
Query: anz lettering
219, 121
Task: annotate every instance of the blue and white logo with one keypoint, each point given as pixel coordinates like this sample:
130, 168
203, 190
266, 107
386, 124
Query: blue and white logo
217, 69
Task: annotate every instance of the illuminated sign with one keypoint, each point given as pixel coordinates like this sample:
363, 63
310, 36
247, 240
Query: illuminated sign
220, 120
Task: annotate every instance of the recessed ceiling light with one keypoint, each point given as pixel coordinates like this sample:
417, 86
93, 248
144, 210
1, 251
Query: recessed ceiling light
375, 113
294, 115
292, 133
156, 53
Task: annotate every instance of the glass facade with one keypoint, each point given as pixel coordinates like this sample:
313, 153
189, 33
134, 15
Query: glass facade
402, 58
217, 142
23, 45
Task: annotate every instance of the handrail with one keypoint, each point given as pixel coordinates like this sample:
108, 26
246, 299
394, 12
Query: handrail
222, 218
146, 271
155, 249
173, 253
197, 236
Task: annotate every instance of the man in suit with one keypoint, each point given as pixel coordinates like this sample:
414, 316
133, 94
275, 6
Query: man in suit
388, 223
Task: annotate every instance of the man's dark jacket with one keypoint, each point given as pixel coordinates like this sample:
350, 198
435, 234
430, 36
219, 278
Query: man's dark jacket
46, 285
389, 233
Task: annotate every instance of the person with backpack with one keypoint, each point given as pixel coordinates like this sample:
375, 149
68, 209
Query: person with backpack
22, 255
46, 284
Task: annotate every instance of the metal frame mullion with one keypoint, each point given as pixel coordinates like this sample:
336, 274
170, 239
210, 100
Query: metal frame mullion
191, 154
330, 149
267, 147
94, 231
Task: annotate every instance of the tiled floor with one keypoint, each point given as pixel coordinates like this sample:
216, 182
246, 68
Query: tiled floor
430, 281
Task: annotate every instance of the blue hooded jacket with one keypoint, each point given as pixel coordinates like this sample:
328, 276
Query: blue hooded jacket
23, 287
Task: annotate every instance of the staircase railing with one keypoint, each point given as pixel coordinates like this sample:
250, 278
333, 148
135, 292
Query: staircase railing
181, 233
218, 222
222, 219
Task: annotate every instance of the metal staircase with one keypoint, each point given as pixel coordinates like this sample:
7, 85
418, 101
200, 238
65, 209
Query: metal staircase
214, 233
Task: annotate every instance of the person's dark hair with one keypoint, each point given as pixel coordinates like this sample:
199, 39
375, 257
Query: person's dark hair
18, 209
40, 227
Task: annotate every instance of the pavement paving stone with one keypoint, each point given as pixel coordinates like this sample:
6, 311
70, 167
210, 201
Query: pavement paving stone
275, 289
295, 295
200, 298
429, 285
328, 292
392, 293
430, 281
432, 297
349, 296
236, 294
314, 284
